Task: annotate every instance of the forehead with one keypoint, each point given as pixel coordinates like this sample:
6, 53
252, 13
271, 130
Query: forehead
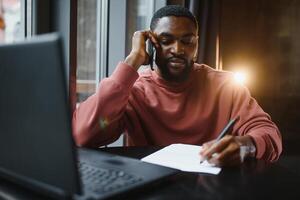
176, 26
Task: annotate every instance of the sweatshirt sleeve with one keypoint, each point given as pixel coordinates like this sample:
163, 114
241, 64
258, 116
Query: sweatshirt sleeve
99, 119
256, 123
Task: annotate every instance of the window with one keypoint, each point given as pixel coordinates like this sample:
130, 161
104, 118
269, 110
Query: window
91, 46
11, 24
86, 48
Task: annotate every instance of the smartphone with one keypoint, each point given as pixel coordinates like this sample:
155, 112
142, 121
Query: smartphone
150, 52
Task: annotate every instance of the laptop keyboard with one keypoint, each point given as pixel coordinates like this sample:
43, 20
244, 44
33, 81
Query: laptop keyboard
100, 180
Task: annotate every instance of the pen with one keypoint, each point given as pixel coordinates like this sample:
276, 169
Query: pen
224, 132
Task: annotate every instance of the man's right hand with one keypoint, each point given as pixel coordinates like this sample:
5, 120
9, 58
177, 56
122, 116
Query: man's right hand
138, 55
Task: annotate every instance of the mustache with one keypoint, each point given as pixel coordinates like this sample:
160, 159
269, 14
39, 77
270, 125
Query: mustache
174, 58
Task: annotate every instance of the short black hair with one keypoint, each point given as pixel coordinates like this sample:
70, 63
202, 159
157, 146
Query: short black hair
172, 10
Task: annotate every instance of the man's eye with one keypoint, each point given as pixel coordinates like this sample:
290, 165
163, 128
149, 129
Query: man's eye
187, 41
166, 41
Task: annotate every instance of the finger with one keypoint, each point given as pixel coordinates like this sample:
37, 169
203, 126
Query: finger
206, 146
231, 157
218, 146
232, 160
153, 39
232, 149
139, 34
138, 40
213, 160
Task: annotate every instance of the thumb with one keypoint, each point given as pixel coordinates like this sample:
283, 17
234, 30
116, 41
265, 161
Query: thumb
147, 59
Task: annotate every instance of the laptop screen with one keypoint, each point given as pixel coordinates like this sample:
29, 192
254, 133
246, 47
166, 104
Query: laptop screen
36, 146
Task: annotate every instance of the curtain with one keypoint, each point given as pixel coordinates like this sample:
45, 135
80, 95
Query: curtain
208, 13
73, 56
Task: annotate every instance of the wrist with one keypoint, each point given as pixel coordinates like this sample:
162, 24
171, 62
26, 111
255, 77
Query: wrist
252, 148
134, 60
247, 147
248, 150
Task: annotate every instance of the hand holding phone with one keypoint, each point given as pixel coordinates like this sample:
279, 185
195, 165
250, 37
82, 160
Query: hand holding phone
141, 53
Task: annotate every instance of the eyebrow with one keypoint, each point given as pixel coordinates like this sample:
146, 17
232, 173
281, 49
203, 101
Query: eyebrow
166, 34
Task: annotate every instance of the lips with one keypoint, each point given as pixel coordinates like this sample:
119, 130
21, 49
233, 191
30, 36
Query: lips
177, 60
177, 64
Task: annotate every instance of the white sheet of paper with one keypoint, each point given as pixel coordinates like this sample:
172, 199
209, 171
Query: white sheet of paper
184, 157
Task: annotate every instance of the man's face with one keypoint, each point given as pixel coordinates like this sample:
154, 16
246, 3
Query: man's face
178, 39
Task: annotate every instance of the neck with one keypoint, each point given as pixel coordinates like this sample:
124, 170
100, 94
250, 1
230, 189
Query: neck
173, 80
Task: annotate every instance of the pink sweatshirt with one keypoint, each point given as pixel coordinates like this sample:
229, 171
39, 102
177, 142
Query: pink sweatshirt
152, 111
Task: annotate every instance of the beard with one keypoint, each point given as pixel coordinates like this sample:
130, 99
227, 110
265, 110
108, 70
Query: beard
175, 69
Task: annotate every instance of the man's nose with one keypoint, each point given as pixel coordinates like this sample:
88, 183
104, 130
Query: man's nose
177, 48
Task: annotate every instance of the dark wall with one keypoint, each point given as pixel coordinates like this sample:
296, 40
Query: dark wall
263, 36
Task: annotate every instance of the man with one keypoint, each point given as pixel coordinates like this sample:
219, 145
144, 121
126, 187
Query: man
179, 102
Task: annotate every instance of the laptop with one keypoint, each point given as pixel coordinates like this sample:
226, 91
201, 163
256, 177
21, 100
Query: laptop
37, 150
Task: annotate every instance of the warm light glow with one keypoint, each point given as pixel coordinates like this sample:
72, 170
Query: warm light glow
240, 77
